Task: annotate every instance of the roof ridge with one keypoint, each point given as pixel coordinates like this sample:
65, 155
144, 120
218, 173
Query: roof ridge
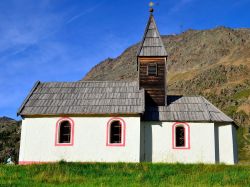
144, 37
219, 111
90, 82
185, 95
204, 102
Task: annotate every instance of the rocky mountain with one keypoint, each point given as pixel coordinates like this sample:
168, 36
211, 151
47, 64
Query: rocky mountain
214, 63
9, 139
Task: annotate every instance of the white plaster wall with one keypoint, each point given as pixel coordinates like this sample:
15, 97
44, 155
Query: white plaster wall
158, 143
38, 141
227, 144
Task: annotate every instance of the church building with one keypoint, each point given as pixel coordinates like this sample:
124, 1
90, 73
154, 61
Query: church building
122, 121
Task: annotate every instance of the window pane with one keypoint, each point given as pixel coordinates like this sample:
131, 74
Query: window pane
115, 132
152, 69
180, 136
64, 132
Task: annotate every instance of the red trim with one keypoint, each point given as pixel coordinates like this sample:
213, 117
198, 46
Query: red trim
57, 131
123, 124
32, 162
186, 135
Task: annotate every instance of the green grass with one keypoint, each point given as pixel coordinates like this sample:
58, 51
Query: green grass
230, 110
244, 94
121, 174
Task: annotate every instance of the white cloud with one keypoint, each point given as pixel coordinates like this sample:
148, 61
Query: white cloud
84, 12
25, 27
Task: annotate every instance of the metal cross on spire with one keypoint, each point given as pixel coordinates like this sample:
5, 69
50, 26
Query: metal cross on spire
151, 5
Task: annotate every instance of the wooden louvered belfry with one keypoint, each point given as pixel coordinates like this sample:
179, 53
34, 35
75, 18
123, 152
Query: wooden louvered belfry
151, 59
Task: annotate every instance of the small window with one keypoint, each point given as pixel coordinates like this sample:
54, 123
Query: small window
152, 69
65, 132
180, 136
115, 132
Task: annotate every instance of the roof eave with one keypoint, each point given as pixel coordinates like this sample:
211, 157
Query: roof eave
27, 98
79, 115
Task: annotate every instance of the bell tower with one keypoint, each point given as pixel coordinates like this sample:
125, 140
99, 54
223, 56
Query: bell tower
151, 62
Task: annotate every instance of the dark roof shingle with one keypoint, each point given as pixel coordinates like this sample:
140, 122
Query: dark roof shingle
115, 97
186, 108
151, 44
84, 98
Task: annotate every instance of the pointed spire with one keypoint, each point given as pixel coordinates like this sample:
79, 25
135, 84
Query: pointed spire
152, 44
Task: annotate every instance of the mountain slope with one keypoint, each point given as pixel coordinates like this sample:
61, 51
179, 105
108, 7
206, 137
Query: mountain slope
214, 63
9, 139
192, 50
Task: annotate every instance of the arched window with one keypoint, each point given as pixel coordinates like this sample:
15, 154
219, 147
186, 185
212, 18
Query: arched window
64, 132
116, 132
181, 136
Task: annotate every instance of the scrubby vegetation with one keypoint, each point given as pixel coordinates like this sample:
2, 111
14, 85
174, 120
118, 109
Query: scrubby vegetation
121, 174
9, 139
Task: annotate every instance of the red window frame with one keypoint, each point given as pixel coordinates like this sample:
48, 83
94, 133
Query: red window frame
123, 131
58, 123
186, 135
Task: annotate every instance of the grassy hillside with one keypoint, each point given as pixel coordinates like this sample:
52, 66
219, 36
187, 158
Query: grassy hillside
213, 63
144, 174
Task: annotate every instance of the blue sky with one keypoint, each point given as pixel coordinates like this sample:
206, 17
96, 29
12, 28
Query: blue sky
61, 40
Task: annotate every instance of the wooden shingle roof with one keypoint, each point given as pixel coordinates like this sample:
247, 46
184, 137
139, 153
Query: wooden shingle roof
114, 97
86, 97
151, 44
184, 108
